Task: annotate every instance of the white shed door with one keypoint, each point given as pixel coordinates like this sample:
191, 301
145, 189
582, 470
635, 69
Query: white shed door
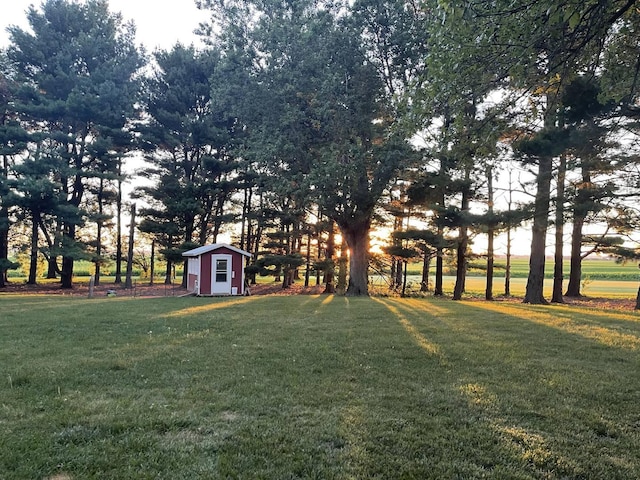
221, 274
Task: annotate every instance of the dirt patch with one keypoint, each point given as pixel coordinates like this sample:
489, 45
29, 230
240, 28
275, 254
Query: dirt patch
81, 289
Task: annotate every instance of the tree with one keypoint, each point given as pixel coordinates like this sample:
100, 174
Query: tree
78, 66
321, 121
12, 142
187, 143
523, 48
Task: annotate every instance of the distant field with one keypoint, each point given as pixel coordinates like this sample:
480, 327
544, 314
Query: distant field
601, 269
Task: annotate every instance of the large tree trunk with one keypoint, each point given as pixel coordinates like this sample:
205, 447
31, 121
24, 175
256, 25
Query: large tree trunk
357, 236
558, 273
66, 277
52, 267
535, 282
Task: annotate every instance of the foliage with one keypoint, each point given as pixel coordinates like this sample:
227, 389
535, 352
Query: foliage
77, 67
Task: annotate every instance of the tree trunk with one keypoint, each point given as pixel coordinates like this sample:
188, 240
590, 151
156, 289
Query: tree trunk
341, 286
52, 267
33, 258
128, 282
575, 271
558, 273
507, 272
399, 272
463, 243
404, 278
307, 271
488, 293
535, 282
152, 261
461, 267
4, 228
4, 245
438, 288
330, 253
66, 276
167, 274
426, 261
580, 211
357, 236
637, 307
52, 262
99, 223
118, 274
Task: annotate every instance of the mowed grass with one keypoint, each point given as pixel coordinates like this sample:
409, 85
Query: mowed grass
316, 387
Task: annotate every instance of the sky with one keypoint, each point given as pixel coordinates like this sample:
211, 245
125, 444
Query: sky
159, 23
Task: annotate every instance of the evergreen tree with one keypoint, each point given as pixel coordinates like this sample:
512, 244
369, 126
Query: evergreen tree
77, 65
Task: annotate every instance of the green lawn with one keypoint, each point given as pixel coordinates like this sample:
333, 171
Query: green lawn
316, 387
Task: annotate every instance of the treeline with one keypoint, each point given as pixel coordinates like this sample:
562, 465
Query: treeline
296, 129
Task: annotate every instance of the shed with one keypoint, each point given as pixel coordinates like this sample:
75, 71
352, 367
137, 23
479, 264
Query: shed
216, 269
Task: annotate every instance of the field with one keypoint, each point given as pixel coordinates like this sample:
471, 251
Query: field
600, 278
592, 269
316, 387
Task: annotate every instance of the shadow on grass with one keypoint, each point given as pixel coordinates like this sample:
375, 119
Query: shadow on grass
554, 389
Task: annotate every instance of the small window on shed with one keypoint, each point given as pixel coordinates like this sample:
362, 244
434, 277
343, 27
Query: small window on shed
221, 270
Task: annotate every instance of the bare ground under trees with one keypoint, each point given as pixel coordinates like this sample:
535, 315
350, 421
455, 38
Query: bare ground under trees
274, 288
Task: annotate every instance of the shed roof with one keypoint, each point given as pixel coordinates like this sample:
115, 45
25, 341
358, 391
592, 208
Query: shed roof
196, 252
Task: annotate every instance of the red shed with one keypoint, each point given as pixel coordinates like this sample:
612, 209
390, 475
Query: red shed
216, 269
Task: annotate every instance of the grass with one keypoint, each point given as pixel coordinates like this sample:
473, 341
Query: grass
316, 387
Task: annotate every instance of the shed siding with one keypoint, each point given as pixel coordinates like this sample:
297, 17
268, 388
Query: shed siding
237, 281
205, 274
193, 269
